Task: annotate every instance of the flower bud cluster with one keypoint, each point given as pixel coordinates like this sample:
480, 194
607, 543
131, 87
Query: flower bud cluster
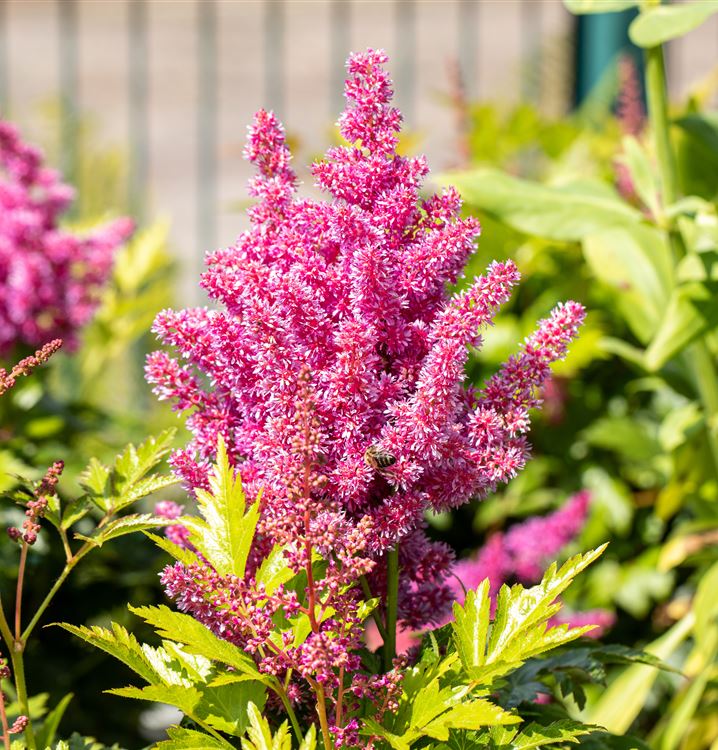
36, 508
50, 279
27, 365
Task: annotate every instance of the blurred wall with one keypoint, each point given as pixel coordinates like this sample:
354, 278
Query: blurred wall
177, 81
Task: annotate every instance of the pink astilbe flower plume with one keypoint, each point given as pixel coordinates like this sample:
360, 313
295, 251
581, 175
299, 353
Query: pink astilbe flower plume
50, 279
353, 290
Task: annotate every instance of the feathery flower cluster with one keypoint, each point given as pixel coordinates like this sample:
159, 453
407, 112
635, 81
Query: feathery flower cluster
355, 290
50, 279
27, 365
523, 553
36, 509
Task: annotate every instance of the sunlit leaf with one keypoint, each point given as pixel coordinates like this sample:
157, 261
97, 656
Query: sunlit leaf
661, 23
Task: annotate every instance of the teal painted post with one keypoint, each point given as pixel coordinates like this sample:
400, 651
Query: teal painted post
600, 39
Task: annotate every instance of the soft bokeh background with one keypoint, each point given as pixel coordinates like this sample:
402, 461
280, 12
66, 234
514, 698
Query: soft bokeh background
174, 83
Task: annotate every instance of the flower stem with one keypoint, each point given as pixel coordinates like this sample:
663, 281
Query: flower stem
322, 713
392, 604
375, 612
5, 727
18, 668
18, 592
698, 356
55, 587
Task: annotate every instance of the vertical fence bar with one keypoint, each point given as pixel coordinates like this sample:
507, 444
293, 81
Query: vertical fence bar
68, 64
4, 61
531, 62
468, 44
207, 130
339, 48
274, 55
405, 35
138, 122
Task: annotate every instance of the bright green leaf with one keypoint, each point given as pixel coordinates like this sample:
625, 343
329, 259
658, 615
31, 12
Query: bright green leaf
185, 698
661, 23
637, 264
225, 535
580, 7
198, 638
566, 213
691, 311
124, 525
224, 707
181, 738
117, 642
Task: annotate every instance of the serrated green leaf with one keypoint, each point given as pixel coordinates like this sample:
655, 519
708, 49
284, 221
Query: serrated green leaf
224, 707
310, 739
115, 488
471, 625
124, 525
558, 732
580, 7
117, 642
225, 535
182, 554
473, 714
519, 630
190, 739
95, 481
75, 510
274, 571
259, 734
198, 639
185, 698
565, 213
662, 23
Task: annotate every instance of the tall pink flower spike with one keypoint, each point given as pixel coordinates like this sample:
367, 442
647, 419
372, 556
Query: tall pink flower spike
50, 279
354, 289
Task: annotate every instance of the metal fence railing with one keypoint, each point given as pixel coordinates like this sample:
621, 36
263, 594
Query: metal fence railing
177, 80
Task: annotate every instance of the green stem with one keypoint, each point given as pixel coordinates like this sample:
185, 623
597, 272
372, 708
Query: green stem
51, 593
375, 613
5, 629
18, 670
392, 603
698, 356
658, 110
282, 693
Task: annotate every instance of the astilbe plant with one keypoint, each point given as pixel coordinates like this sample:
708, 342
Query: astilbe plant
354, 290
50, 278
326, 401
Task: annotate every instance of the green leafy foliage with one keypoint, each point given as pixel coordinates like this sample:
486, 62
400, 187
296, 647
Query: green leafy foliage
128, 480
225, 532
599, 6
659, 24
519, 630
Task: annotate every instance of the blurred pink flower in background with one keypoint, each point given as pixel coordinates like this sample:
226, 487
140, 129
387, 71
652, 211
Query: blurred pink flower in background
50, 279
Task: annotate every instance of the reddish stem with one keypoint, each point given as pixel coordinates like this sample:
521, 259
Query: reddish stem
5, 727
18, 592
